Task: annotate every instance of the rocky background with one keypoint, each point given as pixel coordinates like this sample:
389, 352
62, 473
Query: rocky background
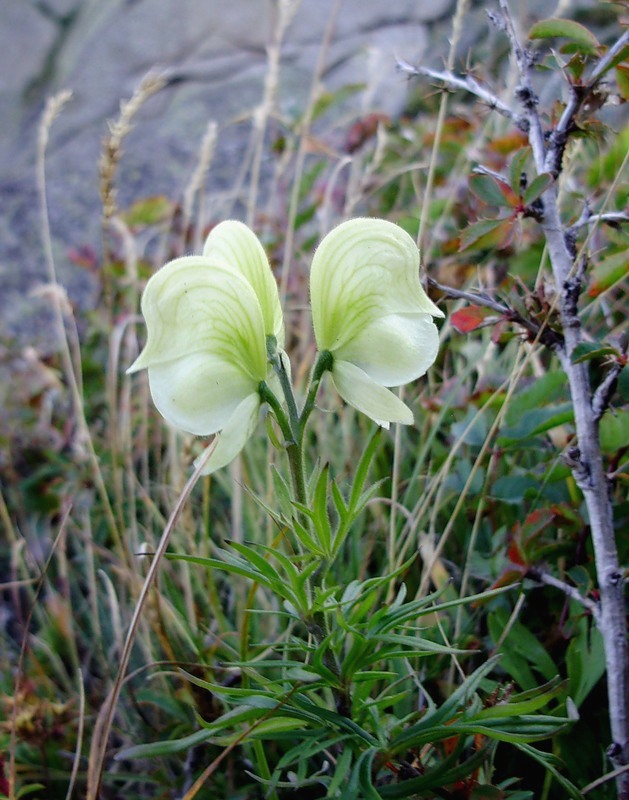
214, 54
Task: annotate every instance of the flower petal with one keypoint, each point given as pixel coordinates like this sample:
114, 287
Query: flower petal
193, 305
369, 397
362, 270
234, 435
233, 244
198, 393
394, 349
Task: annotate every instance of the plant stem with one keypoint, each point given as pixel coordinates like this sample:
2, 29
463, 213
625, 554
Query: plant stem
294, 428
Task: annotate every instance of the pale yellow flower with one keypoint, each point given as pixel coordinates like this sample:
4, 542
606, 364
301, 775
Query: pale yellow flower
371, 313
208, 318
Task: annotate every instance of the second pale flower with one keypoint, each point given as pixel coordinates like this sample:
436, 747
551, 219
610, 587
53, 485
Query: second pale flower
371, 313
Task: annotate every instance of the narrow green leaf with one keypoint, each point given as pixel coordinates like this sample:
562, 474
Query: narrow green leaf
305, 538
548, 761
320, 507
237, 567
164, 747
363, 469
339, 502
524, 702
256, 560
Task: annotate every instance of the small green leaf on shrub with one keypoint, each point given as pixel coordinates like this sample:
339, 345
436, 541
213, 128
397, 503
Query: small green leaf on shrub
564, 29
513, 488
470, 318
487, 234
489, 191
586, 351
517, 167
608, 272
537, 187
615, 430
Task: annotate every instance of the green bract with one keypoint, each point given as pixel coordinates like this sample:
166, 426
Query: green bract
371, 313
207, 321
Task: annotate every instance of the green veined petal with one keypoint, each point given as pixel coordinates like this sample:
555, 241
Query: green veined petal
234, 245
193, 305
234, 435
362, 270
369, 397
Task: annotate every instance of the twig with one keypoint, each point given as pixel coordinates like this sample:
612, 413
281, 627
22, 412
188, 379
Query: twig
611, 217
587, 457
472, 297
525, 92
543, 333
578, 96
540, 576
469, 84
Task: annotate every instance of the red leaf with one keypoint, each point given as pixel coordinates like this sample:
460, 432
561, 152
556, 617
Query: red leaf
469, 318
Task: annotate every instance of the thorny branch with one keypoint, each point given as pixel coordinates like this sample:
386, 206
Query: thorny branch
585, 456
469, 84
540, 576
542, 333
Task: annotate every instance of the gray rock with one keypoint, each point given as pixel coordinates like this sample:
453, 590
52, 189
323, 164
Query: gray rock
214, 52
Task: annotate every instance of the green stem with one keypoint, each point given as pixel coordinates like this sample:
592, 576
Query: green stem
324, 362
293, 428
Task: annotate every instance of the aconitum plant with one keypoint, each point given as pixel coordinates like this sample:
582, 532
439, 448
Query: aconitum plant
339, 685
215, 353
